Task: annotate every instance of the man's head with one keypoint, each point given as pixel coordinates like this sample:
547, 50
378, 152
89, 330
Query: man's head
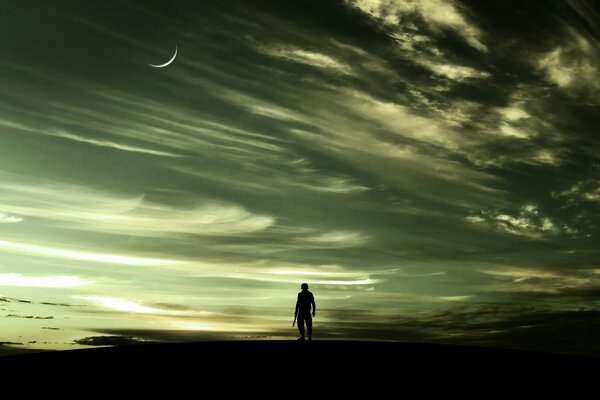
304, 286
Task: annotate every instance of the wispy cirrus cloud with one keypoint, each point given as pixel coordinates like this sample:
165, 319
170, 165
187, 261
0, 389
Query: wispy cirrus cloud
118, 304
527, 222
312, 58
545, 284
9, 219
40, 250
583, 191
417, 42
13, 279
90, 209
437, 14
572, 66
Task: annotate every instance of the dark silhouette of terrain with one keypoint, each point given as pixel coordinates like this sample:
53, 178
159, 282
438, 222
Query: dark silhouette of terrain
13, 350
286, 362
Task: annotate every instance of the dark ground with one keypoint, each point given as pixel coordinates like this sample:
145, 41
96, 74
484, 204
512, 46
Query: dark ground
307, 367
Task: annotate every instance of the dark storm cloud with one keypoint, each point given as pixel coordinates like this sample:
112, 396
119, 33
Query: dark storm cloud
56, 304
174, 307
578, 288
108, 341
28, 316
10, 299
562, 331
522, 327
158, 335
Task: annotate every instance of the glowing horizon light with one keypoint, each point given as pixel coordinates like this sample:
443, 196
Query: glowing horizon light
318, 273
455, 298
289, 272
5, 218
342, 283
219, 326
84, 256
117, 304
192, 327
49, 281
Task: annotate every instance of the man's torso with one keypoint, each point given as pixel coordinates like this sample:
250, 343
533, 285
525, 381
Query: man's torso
305, 299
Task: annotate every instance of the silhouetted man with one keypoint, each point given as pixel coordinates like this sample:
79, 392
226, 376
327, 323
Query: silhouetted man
305, 300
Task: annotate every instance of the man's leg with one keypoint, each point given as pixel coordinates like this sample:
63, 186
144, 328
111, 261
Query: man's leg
309, 326
301, 325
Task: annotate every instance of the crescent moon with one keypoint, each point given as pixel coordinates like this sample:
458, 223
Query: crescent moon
167, 63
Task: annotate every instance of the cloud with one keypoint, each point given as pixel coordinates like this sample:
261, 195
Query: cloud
55, 304
521, 274
571, 64
517, 131
439, 15
312, 58
28, 316
308, 238
527, 327
9, 219
48, 281
297, 175
287, 272
105, 143
101, 211
187, 319
9, 299
61, 133
108, 341
45, 303
174, 307
117, 304
534, 284
528, 222
172, 335
582, 191
126, 121
417, 41
451, 71
522, 327
82, 256
398, 138
333, 185
574, 65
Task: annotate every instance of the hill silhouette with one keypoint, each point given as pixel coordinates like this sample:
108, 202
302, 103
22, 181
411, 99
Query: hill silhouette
287, 361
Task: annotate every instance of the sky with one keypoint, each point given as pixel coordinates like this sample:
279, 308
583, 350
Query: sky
429, 167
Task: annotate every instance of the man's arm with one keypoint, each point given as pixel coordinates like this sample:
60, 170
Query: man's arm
297, 305
314, 306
